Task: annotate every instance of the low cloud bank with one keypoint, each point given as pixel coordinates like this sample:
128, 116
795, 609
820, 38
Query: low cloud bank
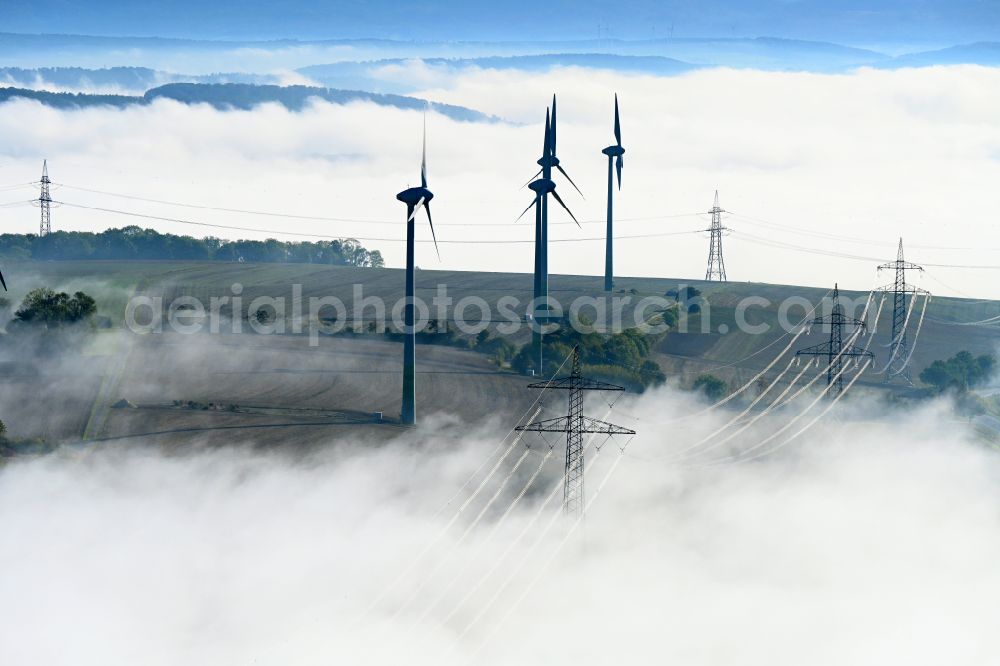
871, 540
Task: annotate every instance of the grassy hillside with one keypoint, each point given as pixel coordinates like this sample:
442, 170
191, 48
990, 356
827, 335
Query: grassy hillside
220, 387
722, 343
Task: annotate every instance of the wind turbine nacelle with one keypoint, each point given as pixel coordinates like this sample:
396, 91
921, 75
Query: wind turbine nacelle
551, 161
614, 151
542, 186
412, 196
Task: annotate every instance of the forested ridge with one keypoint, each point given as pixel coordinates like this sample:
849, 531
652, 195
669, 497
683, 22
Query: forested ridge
134, 242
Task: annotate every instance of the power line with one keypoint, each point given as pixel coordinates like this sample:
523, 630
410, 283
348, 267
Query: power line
14, 204
321, 218
651, 218
847, 239
358, 238
17, 186
845, 255
741, 236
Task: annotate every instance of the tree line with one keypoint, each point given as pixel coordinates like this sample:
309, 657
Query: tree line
134, 242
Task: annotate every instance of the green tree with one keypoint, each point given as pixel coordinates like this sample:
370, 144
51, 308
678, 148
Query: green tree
713, 387
46, 307
651, 374
960, 372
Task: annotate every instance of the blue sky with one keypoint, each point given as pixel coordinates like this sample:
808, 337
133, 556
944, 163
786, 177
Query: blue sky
844, 21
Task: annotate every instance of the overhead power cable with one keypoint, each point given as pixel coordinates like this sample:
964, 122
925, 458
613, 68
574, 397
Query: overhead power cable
839, 237
359, 238
845, 255
741, 457
324, 218
17, 186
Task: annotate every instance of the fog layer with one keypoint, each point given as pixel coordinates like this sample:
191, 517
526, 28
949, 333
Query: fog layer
867, 542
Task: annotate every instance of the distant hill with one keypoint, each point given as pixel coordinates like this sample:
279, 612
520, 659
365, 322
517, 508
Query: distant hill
360, 68
981, 53
349, 63
243, 55
245, 96
117, 79
133, 78
64, 100
365, 73
241, 96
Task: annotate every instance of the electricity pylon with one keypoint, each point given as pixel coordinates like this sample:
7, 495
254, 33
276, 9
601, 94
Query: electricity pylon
898, 344
575, 425
45, 202
716, 264
834, 350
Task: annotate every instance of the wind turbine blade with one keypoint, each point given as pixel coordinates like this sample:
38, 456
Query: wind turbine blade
563, 172
413, 214
534, 201
566, 208
618, 125
531, 179
553, 135
3, 282
547, 144
423, 160
427, 207
619, 163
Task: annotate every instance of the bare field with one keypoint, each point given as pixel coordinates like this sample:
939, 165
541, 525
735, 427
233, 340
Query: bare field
265, 388
274, 389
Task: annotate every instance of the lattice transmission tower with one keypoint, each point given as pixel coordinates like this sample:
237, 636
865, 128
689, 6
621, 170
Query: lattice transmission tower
898, 343
834, 350
716, 263
575, 424
45, 202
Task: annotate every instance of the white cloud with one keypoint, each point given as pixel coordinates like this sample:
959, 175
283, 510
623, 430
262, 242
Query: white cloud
872, 155
870, 541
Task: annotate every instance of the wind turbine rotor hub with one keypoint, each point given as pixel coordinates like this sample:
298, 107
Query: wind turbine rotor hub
412, 196
542, 186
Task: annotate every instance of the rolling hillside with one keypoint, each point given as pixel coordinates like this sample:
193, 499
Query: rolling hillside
257, 387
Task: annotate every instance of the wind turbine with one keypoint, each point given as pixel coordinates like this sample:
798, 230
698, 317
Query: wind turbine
415, 198
615, 162
543, 187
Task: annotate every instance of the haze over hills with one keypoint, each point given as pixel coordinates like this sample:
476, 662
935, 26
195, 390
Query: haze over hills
980, 53
75, 63
344, 71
